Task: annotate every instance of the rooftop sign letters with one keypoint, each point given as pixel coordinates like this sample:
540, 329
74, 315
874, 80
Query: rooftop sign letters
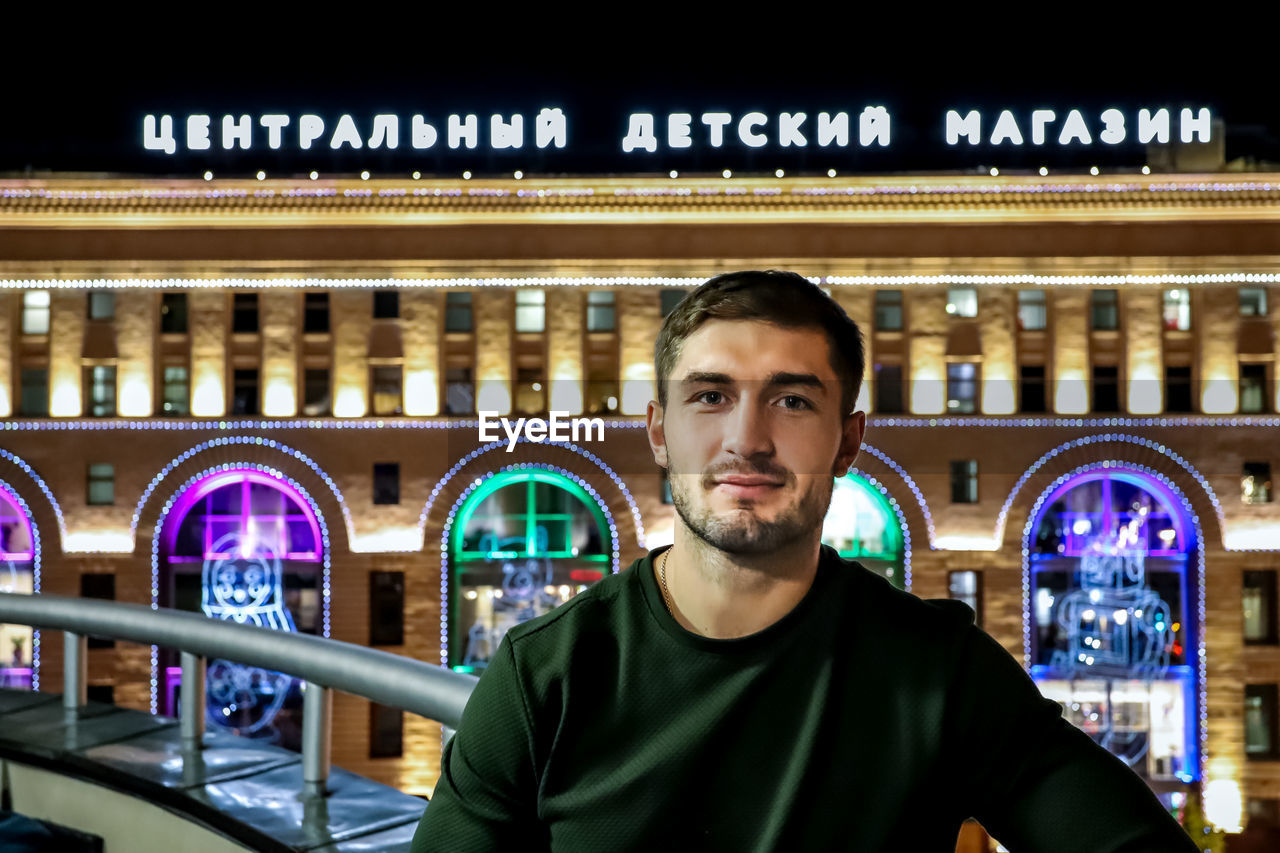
641, 133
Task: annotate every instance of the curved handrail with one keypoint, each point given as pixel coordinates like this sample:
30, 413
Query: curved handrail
425, 689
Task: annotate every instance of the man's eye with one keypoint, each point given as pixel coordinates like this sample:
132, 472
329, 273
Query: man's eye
791, 401
710, 397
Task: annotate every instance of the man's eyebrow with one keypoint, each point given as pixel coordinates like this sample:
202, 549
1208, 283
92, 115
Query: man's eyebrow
808, 380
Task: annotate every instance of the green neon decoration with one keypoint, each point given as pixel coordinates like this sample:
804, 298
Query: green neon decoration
892, 540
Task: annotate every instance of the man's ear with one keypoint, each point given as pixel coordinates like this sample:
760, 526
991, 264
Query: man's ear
657, 436
850, 443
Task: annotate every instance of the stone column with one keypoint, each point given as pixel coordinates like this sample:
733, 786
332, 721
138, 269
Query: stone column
10, 326
1144, 349
1069, 325
351, 316
998, 319
495, 320
281, 328
422, 312
67, 315
639, 322
565, 330
207, 316
1216, 324
926, 327
136, 325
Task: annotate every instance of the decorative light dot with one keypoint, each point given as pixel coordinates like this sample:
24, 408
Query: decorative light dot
364, 176
208, 176
1146, 170
831, 173
778, 173
994, 171
727, 173
314, 174
673, 174
417, 176
1093, 170
262, 176
518, 175
1044, 170
466, 176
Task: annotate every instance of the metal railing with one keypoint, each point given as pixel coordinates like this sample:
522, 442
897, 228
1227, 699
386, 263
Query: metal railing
324, 665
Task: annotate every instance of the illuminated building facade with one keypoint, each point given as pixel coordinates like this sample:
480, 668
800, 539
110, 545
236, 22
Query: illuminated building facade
260, 399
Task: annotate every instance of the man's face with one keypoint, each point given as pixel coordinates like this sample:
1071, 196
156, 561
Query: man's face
752, 434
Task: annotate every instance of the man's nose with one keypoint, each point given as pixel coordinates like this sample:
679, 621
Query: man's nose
747, 432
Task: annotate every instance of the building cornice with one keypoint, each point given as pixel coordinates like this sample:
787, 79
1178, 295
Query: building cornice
66, 201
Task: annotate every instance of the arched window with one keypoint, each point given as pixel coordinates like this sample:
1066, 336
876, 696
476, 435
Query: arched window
17, 556
244, 545
862, 526
1111, 585
524, 542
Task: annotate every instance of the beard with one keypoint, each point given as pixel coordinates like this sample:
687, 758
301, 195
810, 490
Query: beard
740, 529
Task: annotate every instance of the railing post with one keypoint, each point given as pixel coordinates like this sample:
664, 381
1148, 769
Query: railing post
317, 713
75, 673
192, 696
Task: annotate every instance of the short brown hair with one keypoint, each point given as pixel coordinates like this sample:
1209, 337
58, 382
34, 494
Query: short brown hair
773, 296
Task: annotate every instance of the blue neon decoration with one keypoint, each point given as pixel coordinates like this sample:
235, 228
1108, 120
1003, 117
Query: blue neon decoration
246, 586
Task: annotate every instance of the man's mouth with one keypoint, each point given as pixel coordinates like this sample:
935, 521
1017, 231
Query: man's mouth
747, 487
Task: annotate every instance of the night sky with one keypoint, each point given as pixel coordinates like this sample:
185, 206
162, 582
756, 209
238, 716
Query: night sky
75, 103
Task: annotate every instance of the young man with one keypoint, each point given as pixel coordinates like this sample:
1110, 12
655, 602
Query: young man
747, 689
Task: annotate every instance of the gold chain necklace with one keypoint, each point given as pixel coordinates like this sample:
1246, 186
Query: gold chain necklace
666, 593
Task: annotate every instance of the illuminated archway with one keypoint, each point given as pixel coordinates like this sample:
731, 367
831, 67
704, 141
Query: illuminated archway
523, 542
1114, 561
863, 525
248, 545
19, 573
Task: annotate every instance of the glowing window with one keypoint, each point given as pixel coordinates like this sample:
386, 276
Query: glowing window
862, 526
16, 575
525, 542
1111, 617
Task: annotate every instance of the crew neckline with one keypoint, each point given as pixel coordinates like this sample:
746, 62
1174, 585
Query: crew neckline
767, 637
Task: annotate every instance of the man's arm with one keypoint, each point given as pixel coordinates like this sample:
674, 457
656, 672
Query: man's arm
1039, 784
486, 798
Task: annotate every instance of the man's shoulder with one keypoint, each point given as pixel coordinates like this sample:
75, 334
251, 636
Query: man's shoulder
874, 599
592, 609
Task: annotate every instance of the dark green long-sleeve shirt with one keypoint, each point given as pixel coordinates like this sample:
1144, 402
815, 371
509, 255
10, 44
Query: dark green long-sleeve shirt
865, 719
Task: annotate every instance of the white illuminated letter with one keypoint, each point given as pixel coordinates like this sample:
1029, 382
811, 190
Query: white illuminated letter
789, 130
968, 126
1039, 120
1153, 126
485, 426
558, 426
536, 430
274, 125
346, 134
1006, 128
639, 133
1194, 125
550, 128
1073, 127
236, 131
198, 133
833, 128
463, 130
422, 135
310, 127
385, 128
162, 141
506, 134
716, 123
745, 133
1112, 131
873, 126
678, 130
